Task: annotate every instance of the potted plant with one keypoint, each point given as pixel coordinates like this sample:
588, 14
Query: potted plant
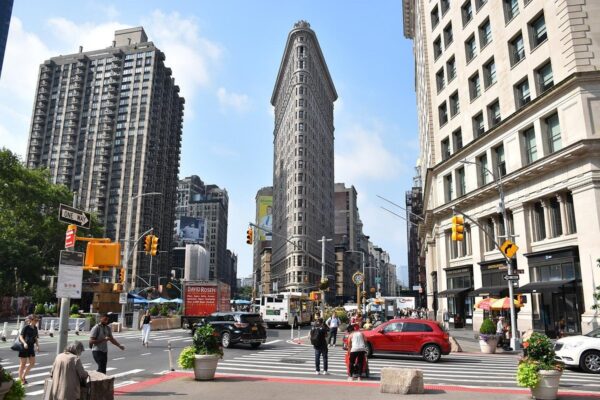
538, 370
9, 388
203, 355
488, 339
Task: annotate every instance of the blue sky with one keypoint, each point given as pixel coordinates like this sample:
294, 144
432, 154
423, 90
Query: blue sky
225, 56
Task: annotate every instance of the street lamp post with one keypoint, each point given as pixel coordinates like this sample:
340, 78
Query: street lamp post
362, 253
127, 252
514, 341
323, 242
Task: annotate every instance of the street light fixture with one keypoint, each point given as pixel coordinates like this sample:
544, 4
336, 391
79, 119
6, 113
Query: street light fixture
514, 341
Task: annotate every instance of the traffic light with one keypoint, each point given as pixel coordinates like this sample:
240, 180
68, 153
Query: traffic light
122, 275
249, 235
458, 228
154, 246
148, 243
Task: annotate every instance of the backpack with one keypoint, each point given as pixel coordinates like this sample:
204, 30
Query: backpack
315, 334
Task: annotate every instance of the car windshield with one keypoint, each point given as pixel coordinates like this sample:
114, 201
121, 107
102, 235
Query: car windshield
251, 318
595, 333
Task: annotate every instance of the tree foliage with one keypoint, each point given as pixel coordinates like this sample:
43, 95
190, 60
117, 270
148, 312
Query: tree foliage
31, 236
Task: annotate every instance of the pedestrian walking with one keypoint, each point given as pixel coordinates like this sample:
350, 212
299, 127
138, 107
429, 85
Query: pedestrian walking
318, 338
358, 350
333, 323
146, 321
29, 338
67, 374
99, 336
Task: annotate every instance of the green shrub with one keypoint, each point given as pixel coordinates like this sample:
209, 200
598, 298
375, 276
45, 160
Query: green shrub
39, 309
51, 309
527, 375
17, 391
487, 327
154, 311
75, 309
540, 355
92, 319
164, 310
206, 341
339, 311
186, 358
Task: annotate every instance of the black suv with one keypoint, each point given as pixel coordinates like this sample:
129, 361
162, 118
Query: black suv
236, 327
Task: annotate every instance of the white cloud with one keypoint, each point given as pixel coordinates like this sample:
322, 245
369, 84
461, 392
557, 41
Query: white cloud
238, 102
361, 154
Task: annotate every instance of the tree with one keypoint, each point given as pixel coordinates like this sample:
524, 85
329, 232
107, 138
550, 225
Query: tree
31, 236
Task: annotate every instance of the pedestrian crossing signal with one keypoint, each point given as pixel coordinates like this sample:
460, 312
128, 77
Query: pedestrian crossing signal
458, 228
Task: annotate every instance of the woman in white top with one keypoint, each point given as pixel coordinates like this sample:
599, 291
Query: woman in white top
358, 350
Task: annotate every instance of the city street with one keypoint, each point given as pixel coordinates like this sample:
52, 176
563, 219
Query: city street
279, 358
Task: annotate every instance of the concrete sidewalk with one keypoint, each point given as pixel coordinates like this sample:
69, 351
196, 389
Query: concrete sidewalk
182, 385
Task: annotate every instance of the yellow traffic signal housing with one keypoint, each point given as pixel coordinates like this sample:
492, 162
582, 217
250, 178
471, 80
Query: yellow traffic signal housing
249, 236
102, 255
154, 246
147, 243
122, 275
458, 228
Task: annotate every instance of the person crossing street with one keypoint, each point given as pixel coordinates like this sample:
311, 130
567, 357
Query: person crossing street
333, 323
99, 336
146, 321
318, 338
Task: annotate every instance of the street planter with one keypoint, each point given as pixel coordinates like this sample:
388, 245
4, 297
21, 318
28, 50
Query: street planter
205, 366
547, 388
4, 388
488, 344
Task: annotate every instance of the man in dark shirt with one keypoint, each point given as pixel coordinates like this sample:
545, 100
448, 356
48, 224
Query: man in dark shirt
318, 338
99, 336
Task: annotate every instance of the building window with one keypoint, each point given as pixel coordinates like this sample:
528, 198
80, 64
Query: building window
454, 104
443, 114
572, 226
439, 80
451, 68
511, 9
461, 187
489, 73
537, 31
490, 238
446, 153
553, 139
474, 86
479, 4
555, 217
457, 140
437, 48
478, 125
448, 189
517, 49
499, 160
522, 93
545, 78
494, 114
448, 37
483, 167
470, 48
445, 6
467, 12
530, 145
485, 33
435, 17
539, 222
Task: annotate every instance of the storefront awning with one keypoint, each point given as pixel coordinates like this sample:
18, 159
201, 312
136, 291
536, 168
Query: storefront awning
490, 291
534, 287
453, 292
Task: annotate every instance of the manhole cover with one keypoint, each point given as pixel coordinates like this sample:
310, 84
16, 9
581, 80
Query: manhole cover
292, 361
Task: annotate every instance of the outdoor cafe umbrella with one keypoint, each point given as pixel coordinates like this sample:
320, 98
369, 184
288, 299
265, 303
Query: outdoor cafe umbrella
160, 300
485, 304
504, 304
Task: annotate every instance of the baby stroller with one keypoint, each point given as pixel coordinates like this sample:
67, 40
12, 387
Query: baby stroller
365, 372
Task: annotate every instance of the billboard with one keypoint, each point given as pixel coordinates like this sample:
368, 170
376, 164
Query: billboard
405, 302
191, 229
265, 216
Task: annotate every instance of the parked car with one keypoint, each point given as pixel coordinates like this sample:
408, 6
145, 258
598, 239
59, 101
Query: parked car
236, 327
581, 351
408, 336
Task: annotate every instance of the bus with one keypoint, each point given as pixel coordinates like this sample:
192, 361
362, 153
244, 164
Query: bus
289, 309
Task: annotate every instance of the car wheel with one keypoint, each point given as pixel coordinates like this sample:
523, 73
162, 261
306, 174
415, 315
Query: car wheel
226, 340
590, 362
369, 350
255, 345
431, 353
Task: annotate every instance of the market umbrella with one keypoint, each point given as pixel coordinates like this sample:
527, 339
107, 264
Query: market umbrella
504, 304
160, 300
178, 301
485, 304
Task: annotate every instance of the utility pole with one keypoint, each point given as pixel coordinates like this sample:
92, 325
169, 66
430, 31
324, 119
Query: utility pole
323, 241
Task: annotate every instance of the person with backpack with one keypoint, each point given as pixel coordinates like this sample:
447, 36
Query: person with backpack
318, 338
333, 323
99, 336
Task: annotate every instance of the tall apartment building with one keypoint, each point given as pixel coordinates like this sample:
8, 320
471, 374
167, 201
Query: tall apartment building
262, 239
107, 123
5, 15
509, 89
211, 203
303, 182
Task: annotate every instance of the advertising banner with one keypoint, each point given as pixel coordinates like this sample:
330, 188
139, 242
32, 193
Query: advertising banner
265, 216
405, 302
191, 229
200, 299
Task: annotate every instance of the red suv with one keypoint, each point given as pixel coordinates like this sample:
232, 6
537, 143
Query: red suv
408, 336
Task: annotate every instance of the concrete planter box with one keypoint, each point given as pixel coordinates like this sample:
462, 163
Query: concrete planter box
4, 388
161, 324
547, 388
489, 346
205, 367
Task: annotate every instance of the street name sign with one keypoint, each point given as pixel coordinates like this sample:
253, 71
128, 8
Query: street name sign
74, 216
511, 277
70, 275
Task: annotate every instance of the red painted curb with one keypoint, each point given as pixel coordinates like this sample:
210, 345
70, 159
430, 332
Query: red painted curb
449, 388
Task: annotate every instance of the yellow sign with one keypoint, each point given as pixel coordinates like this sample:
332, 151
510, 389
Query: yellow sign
509, 248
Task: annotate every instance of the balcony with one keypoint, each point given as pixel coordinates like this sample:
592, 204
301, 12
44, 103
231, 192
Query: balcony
77, 79
66, 155
44, 98
105, 127
71, 116
109, 111
40, 112
38, 127
43, 90
106, 119
111, 81
39, 120
41, 105
72, 109
76, 86
46, 68
113, 89
35, 143
71, 124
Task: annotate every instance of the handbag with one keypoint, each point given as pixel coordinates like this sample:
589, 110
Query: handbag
17, 345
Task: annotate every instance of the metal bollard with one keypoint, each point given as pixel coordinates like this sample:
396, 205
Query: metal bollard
292, 333
4, 331
170, 356
77, 326
51, 333
299, 334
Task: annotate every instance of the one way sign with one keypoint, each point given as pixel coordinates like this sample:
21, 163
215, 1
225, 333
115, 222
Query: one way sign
74, 216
